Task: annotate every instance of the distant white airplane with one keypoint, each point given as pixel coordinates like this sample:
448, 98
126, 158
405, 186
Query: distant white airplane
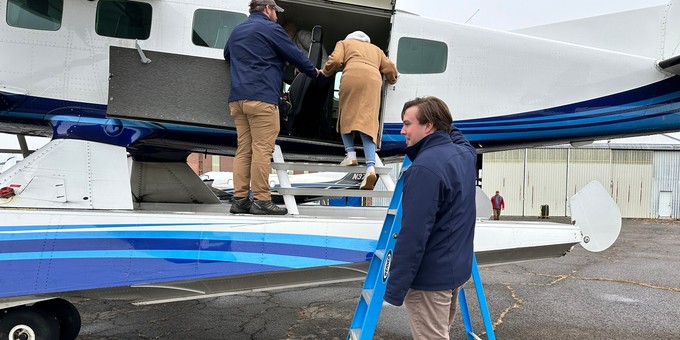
223, 181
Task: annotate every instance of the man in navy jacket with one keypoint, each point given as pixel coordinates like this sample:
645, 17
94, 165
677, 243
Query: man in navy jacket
257, 51
433, 253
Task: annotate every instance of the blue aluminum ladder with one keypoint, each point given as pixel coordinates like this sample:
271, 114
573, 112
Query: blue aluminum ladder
483, 308
370, 303
371, 299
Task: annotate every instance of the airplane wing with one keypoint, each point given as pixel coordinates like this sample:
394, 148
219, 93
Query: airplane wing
159, 252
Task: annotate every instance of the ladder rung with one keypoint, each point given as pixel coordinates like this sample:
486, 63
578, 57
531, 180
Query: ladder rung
355, 333
379, 253
328, 168
333, 192
367, 294
474, 336
392, 212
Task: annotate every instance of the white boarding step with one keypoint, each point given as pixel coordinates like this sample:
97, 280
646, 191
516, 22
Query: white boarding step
328, 168
333, 192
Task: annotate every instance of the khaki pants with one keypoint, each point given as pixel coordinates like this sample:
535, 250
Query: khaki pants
257, 125
430, 313
497, 214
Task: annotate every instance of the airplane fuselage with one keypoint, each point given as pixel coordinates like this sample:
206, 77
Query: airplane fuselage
505, 90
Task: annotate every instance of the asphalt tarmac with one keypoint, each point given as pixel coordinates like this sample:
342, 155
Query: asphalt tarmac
629, 291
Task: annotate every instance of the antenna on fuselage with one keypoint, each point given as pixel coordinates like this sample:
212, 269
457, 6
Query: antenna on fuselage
473, 14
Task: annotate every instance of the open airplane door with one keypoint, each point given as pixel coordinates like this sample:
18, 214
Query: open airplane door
172, 88
422, 48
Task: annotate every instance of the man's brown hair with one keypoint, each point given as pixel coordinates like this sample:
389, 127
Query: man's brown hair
431, 109
256, 7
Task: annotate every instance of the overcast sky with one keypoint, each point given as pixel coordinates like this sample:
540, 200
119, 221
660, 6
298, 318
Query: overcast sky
515, 14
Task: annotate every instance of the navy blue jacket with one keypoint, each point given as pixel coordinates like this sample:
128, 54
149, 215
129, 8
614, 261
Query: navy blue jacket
256, 51
434, 249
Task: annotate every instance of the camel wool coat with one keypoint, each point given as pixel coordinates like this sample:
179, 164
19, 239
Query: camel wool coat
364, 64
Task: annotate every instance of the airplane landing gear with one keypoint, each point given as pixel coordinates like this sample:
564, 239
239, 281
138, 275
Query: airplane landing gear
28, 323
55, 319
67, 316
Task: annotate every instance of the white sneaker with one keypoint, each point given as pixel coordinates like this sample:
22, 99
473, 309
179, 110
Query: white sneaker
368, 183
350, 159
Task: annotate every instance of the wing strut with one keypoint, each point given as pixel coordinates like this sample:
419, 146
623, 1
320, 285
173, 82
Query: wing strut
670, 65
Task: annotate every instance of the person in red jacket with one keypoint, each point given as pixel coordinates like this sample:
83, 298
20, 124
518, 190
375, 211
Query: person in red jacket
497, 204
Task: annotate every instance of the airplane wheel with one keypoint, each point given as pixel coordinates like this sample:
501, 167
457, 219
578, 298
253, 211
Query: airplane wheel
28, 323
67, 316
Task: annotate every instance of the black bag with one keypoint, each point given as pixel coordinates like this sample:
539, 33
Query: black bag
284, 112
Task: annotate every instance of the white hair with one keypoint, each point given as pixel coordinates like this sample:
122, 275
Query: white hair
359, 35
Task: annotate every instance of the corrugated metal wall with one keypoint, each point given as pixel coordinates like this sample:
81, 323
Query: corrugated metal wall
530, 178
586, 165
666, 179
504, 171
545, 181
632, 173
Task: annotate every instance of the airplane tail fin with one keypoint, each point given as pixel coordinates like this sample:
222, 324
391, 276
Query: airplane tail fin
597, 215
351, 180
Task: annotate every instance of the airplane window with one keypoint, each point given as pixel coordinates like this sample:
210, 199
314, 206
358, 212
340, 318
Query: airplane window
35, 14
212, 28
421, 56
123, 19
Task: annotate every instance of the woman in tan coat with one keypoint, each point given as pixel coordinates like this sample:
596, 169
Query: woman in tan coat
360, 84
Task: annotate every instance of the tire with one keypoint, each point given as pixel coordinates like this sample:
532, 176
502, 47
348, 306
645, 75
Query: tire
28, 323
67, 316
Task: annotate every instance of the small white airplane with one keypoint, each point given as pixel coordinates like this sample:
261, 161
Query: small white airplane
223, 184
127, 89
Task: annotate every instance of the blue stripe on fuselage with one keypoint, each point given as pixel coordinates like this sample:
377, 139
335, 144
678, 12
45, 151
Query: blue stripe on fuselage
69, 274
174, 248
